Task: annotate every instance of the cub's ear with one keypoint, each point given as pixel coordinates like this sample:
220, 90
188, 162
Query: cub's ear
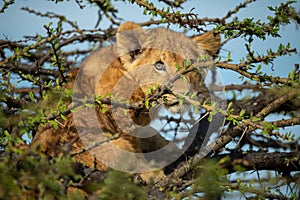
128, 44
210, 42
127, 26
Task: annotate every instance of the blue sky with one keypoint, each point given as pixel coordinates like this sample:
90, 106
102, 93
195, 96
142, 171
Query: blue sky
15, 23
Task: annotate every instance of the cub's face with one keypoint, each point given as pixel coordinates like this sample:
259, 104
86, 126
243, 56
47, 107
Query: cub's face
161, 57
129, 70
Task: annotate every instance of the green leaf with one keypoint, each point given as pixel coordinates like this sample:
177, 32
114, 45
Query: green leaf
147, 103
242, 113
90, 105
63, 117
54, 124
187, 63
31, 96
229, 105
255, 119
228, 59
258, 68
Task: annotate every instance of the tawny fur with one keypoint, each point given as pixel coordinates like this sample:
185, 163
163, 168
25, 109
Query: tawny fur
118, 61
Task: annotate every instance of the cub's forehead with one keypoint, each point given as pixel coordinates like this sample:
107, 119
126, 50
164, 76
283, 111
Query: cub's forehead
165, 39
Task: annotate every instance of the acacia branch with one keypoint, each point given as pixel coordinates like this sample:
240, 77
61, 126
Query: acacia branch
264, 142
51, 15
260, 193
186, 19
278, 161
237, 9
286, 122
275, 104
6, 4
253, 76
175, 3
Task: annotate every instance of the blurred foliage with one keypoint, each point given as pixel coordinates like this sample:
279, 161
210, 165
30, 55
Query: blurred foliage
27, 174
119, 185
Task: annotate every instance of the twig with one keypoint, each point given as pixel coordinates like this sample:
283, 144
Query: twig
175, 3
244, 132
237, 9
51, 15
6, 4
253, 76
275, 104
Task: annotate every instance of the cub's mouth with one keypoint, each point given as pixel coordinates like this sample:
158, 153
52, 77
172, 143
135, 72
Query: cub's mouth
174, 104
164, 95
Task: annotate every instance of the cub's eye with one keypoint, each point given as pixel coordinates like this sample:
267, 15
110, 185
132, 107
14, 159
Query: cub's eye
160, 66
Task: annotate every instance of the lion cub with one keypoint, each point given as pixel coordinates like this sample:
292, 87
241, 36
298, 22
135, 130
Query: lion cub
116, 132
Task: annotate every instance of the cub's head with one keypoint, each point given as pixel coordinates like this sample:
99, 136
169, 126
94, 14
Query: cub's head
142, 63
163, 57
